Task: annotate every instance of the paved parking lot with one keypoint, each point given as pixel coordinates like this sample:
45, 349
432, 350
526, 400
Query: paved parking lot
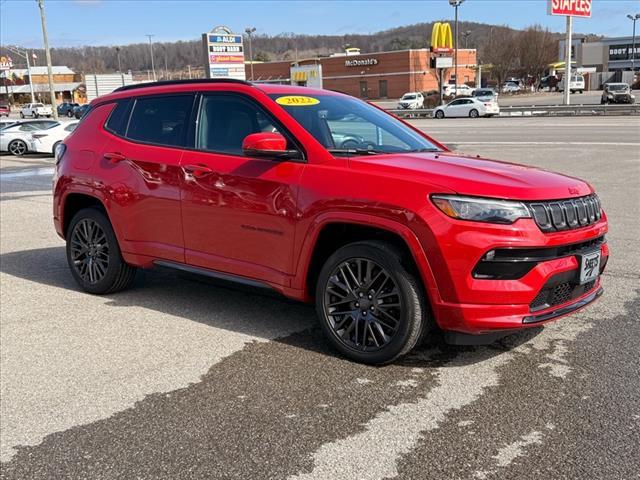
187, 378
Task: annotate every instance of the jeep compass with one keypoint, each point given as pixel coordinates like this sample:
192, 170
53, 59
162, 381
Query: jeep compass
391, 234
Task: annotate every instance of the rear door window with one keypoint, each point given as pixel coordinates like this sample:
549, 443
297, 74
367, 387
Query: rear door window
160, 120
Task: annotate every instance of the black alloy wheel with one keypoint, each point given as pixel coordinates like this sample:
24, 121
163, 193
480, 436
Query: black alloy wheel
89, 251
18, 148
370, 306
363, 304
94, 256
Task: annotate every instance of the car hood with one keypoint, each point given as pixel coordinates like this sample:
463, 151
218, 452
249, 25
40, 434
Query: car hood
476, 176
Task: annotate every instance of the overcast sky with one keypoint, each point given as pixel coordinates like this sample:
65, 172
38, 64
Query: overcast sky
111, 22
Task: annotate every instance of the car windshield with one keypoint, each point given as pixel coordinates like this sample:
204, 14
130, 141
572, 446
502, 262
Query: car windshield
620, 87
408, 97
346, 125
37, 105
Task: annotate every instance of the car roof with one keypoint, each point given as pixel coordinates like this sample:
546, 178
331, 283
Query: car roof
206, 84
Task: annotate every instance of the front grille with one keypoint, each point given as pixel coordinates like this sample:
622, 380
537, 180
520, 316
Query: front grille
557, 215
559, 293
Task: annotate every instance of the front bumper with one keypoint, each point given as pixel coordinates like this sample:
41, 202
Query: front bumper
468, 304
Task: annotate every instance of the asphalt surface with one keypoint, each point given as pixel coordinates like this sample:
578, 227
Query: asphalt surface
186, 378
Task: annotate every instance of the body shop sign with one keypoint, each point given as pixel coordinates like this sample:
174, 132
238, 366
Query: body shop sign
573, 8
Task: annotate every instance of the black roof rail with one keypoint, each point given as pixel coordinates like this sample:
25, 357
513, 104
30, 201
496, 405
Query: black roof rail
163, 83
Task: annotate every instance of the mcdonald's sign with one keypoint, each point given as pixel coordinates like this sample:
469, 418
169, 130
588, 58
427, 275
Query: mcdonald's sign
441, 38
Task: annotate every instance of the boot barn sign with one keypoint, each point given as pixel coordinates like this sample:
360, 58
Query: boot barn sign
573, 8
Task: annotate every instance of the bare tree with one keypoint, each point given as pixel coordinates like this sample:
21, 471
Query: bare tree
536, 48
500, 52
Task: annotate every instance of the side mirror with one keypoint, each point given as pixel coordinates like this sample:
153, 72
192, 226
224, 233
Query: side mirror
267, 145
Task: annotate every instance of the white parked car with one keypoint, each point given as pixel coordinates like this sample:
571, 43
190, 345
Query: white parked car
46, 141
511, 87
457, 90
36, 110
576, 84
467, 107
411, 100
17, 139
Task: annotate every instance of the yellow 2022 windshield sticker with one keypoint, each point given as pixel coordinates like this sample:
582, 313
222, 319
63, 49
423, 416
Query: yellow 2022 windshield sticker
297, 101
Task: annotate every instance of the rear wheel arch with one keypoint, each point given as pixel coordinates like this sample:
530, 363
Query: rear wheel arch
74, 202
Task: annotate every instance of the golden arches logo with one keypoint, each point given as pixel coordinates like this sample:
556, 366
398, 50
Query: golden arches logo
441, 37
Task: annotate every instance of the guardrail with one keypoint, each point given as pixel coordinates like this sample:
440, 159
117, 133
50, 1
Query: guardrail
540, 111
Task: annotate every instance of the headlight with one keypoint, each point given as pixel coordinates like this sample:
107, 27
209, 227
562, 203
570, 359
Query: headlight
610, 95
480, 209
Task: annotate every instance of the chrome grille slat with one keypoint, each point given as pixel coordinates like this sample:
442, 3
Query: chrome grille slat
558, 215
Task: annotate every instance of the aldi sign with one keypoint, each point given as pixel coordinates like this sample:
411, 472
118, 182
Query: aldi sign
573, 8
224, 54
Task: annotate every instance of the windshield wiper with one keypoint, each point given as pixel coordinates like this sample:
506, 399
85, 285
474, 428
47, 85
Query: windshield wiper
356, 151
420, 150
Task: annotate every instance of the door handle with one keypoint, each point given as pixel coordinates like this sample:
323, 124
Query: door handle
114, 157
197, 170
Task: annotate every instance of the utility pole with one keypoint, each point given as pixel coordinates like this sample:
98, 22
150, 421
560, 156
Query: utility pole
456, 4
118, 55
249, 31
189, 68
153, 65
166, 69
633, 18
47, 52
24, 54
567, 62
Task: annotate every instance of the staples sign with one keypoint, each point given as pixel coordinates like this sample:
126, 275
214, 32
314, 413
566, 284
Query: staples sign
574, 8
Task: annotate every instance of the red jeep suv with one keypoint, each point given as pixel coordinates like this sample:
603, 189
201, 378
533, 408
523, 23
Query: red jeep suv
325, 198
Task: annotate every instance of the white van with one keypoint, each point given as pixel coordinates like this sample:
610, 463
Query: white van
576, 84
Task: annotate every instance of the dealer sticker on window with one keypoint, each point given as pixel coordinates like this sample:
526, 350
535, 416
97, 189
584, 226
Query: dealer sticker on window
297, 101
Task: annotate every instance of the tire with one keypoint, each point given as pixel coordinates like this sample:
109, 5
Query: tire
439, 114
48, 116
101, 270
21, 115
70, 114
398, 327
474, 113
18, 148
36, 115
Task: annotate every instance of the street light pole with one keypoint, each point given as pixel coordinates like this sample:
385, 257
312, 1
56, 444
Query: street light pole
249, 31
465, 35
153, 65
567, 61
456, 4
634, 18
52, 92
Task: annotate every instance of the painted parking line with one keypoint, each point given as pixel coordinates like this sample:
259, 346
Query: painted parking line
31, 172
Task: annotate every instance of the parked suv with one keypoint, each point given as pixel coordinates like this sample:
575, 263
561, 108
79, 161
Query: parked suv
411, 100
35, 110
617, 93
391, 238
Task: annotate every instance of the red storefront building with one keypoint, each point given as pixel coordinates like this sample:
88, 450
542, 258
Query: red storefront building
367, 75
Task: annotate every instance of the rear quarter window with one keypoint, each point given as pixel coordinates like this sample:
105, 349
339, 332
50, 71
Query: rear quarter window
161, 120
119, 117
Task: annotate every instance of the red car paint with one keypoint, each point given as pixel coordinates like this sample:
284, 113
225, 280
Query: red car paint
260, 220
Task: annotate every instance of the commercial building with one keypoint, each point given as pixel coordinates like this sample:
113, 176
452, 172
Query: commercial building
66, 83
366, 75
608, 60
